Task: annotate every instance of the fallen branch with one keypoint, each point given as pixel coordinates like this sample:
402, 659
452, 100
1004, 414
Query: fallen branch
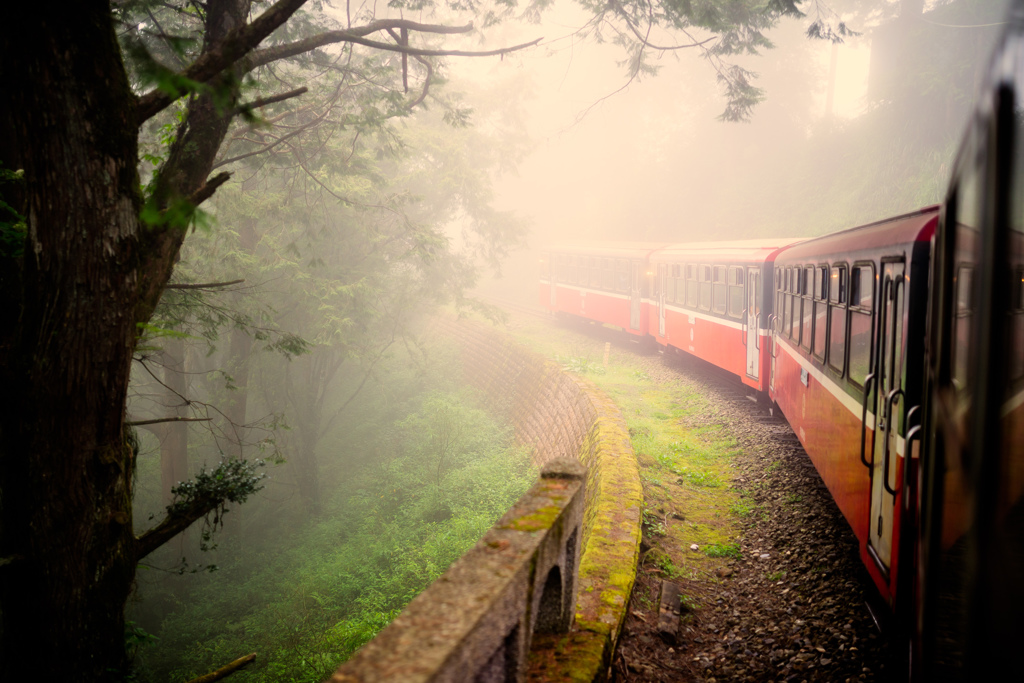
225, 670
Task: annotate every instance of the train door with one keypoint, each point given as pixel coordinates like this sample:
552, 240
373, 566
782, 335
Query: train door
752, 319
634, 295
888, 393
775, 324
661, 298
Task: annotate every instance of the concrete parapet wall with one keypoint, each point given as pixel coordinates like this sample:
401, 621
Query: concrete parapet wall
561, 414
514, 592
476, 622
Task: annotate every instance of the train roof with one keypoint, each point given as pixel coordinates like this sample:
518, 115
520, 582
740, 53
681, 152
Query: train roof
612, 249
918, 226
734, 250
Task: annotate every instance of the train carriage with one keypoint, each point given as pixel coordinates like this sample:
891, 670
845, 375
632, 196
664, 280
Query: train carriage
970, 551
846, 363
710, 300
605, 283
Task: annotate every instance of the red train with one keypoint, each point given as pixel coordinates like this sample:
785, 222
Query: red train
896, 352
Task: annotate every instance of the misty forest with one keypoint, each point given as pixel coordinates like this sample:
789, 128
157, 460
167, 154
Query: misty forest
228, 423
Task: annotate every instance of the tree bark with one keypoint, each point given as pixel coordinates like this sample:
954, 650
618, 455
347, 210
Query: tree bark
70, 305
67, 119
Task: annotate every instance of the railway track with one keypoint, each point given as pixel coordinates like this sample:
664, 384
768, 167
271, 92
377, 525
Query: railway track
793, 606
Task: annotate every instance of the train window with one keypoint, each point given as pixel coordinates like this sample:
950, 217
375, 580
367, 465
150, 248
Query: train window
692, 287
786, 313
595, 271
837, 285
837, 319
862, 286
862, 296
607, 274
1017, 327
676, 270
583, 277
820, 305
622, 275
820, 282
705, 287
961, 335
736, 294
545, 259
820, 328
807, 321
721, 292
570, 268
1018, 284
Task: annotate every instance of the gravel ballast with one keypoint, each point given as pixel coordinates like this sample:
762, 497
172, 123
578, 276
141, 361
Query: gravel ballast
792, 605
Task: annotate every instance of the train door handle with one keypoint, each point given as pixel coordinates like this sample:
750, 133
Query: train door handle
868, 381
888, 417
743, 328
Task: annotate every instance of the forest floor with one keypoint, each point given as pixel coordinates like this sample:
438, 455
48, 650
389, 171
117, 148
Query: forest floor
736, 520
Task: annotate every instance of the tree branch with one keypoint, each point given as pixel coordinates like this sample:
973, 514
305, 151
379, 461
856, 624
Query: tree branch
172, 525
298, 47
207, 190
225, 670
262, 102
204, 285
390, 47
140, 423
236, 45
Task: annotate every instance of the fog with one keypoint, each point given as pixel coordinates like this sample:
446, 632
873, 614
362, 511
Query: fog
293, 330
647, 159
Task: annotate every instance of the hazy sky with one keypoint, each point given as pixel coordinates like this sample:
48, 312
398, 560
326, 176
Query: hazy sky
653, 160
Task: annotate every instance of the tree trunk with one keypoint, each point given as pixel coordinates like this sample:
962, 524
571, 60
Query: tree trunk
69, 309
68, 330
239, 354
174, 436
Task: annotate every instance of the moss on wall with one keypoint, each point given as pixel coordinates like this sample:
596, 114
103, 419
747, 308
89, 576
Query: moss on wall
562, 415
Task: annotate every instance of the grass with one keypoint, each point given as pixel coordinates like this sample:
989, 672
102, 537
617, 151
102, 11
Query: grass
723, 550
742, 508
686, 462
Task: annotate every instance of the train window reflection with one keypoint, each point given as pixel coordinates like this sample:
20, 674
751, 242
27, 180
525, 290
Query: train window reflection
964, 285
862, 286
837, 319
736, 297
705, 288
692, 287
720, 292
622, 268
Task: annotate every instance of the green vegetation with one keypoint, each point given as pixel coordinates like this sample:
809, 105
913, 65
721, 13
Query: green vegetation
306, 593
685, 458
581, 365
742, 507
723, 550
